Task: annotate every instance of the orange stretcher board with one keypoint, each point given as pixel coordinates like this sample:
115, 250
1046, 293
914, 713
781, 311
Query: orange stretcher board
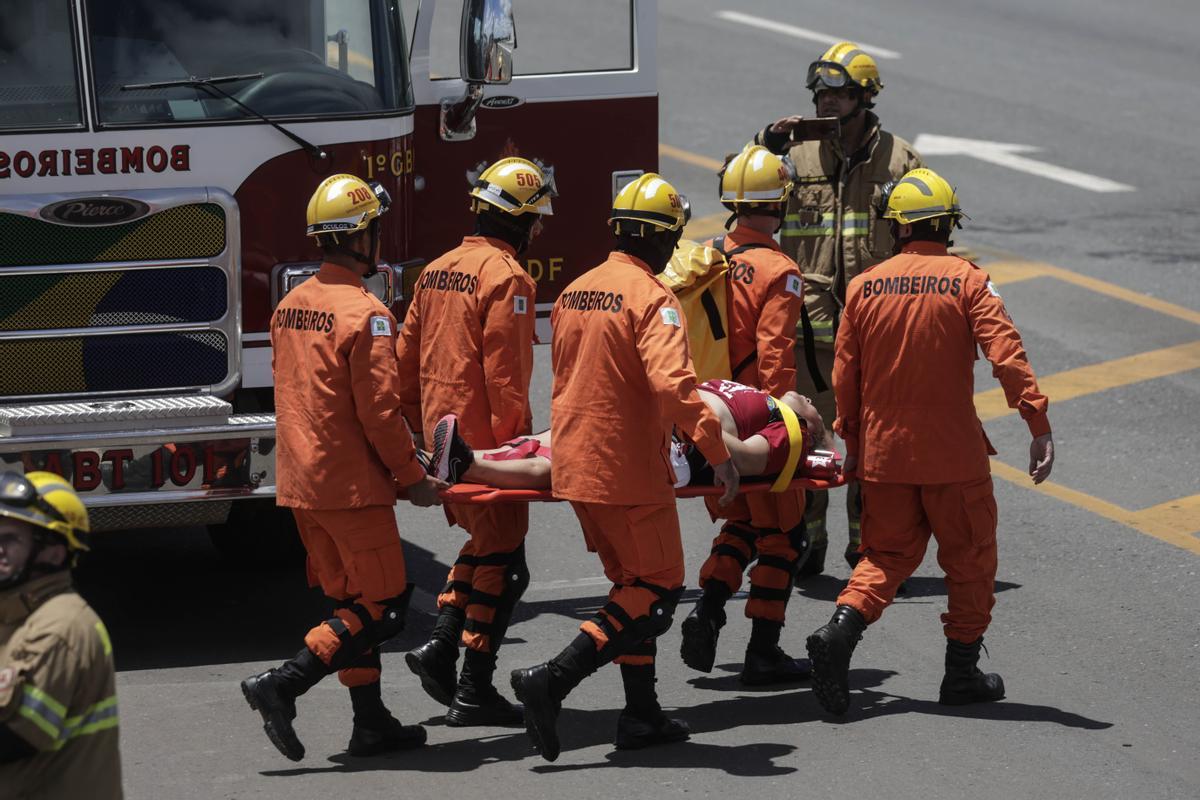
476, 494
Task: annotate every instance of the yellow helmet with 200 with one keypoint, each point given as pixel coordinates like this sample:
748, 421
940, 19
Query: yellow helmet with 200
648, 205
514, 186
345, 204
754, 176
922, 194
46, 501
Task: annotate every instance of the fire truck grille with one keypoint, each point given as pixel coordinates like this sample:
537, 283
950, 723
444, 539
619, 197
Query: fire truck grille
196, 230
122, 297
118, 362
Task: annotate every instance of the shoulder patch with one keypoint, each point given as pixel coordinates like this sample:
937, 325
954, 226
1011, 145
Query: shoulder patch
381, 326
670, 317
992, 288
793, 285
520, 304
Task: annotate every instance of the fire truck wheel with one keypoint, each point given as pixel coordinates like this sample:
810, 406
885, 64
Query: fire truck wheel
258, 534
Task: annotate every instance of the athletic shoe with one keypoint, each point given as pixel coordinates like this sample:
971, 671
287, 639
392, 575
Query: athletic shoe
451, 456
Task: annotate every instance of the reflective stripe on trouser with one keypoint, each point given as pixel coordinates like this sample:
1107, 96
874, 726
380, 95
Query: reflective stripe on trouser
771, 577
487, 578
897, 522
818, 501
355, 556
642, 554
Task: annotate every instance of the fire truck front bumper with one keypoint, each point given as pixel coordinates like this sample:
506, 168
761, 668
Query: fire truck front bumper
146, 461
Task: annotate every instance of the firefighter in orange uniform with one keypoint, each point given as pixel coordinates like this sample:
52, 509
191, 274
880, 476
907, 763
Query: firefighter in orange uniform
467, 349
622, 376
765, 296
343, 449
904, 381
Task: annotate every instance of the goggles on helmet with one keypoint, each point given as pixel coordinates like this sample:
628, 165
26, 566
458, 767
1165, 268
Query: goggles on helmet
829, 74
382, 195
16, 491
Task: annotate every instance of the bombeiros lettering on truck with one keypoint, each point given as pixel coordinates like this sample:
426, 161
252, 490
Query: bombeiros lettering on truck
155, 159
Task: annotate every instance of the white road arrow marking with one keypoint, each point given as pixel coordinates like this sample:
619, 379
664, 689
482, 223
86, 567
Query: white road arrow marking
800, 33
1006, 155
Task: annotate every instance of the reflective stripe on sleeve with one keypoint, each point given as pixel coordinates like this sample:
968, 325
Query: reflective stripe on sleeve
44, 711
47, 714
792, 226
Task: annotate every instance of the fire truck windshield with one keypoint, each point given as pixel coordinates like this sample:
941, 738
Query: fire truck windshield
317, 58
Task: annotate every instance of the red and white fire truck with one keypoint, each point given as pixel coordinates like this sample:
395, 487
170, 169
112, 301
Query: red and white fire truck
156, 157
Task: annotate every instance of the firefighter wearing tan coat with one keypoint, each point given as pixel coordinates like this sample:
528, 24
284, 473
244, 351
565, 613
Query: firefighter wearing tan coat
834, 230
467, 349
58, 701
622, 377
905, 384
765, 291
342, 451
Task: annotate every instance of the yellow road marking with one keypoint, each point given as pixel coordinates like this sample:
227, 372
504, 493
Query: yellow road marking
1174, 522
688, 157
1010, 261
1003, 272
1099, 377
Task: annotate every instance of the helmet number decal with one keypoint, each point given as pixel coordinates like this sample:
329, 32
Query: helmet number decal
528, 180
674, 200
360, 195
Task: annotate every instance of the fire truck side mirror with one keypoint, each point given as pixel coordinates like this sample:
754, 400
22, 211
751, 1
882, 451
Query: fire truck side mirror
486, 42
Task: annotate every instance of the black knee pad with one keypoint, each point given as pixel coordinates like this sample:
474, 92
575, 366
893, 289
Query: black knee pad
662, 611
395, 611
798, 539
516, 577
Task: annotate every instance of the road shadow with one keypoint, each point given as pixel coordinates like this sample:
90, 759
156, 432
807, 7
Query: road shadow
169, 600
869, 704
827, 587
580, 729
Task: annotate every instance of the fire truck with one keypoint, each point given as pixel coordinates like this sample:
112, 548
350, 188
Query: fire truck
156, 158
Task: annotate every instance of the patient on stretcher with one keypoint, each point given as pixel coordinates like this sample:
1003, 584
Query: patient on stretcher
752, 424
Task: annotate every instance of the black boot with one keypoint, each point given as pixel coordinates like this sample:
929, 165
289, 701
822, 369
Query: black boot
830, 647
273, 695
542, 689
965, 682
436, 661
702, 627
476, 702
766, 663
642, 722
376, 731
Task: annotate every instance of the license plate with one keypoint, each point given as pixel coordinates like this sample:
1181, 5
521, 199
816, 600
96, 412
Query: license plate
227, 464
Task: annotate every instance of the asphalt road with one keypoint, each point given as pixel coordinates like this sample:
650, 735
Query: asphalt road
1095, 628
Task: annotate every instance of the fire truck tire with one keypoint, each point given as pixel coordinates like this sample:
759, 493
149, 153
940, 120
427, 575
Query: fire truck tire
258, 534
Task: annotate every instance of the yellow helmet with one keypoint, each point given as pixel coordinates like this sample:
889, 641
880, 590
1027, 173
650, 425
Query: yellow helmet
47, 501
922, 194
345, 204
844, 64
756, 175
515, 186
648, 205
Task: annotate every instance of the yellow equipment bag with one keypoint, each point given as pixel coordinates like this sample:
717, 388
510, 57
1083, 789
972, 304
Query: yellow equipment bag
696, 275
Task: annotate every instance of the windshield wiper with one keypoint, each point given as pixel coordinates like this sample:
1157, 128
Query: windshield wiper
210, 85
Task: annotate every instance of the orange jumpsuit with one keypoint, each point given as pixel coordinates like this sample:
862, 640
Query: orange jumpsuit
766, 293
467, 349
904, 380
622, 376
342, 448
